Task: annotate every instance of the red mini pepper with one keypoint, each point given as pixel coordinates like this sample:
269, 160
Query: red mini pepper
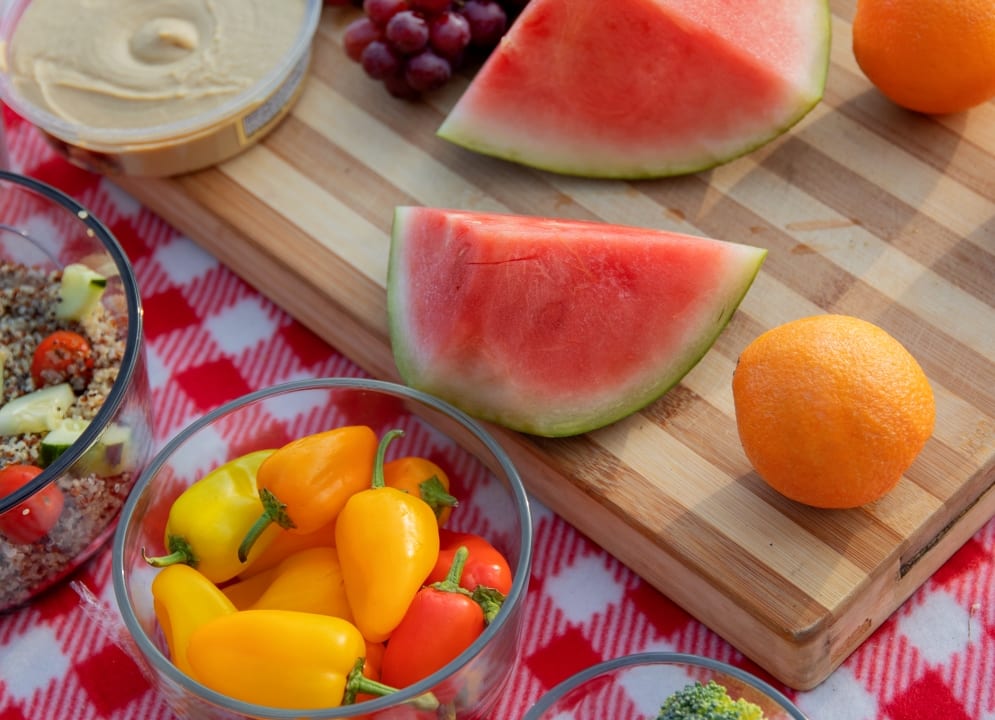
485, 565
442, 621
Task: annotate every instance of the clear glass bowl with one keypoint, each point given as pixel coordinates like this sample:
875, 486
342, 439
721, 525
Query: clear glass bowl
635, 686
41, 227
492, 502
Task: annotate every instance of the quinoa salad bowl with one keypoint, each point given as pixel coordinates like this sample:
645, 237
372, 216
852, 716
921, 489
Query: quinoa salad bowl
75, 409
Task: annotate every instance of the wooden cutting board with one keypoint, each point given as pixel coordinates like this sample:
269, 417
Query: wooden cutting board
865, 210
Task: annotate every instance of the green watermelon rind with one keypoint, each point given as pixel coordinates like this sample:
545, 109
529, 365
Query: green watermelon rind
460, 131
565, 421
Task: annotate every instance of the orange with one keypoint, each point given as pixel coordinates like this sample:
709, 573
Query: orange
831, 410
932, 56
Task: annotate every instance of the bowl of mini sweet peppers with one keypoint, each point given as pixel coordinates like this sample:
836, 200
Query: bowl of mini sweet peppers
329, 548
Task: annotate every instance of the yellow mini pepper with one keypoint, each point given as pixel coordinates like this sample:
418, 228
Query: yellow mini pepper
183, 600
284, 659
305, 483
208, 520
309, 581
388, 542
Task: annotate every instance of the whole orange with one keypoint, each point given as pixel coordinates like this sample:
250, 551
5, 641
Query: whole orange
831, 410
932, 56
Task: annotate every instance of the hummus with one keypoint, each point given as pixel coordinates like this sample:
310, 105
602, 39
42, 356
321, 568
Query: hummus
132, 64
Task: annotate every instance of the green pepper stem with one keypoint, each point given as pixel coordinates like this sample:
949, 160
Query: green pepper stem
490, 600
357, 683
274, 511
378, 479
433, 492
451, 582
180, 552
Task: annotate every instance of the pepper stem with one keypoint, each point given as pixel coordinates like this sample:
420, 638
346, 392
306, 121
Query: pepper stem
378, 479
357, 683
180, 552
274, 511
433, 492
490, 600
451, 582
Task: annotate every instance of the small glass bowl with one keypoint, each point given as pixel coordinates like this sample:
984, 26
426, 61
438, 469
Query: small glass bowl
492, 502
634, 687
42, 228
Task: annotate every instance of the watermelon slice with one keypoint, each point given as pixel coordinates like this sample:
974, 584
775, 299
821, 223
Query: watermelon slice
644, 88
554, 327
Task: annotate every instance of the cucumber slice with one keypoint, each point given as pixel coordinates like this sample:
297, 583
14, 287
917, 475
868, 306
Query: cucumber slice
36, 411
109, 456
59, 439
79, 292
112, 453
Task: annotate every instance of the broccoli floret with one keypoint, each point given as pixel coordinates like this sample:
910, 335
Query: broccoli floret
710, 701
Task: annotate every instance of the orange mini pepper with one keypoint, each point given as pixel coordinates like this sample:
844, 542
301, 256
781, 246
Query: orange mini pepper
372, 666
304, 484
425, 479
243, 592
388, 542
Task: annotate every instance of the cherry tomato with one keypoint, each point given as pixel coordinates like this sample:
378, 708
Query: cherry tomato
63, 356
32, 519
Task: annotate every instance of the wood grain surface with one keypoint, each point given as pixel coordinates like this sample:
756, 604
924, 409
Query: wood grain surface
865, 209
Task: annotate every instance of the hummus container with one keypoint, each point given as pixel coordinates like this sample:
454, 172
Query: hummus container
154, 87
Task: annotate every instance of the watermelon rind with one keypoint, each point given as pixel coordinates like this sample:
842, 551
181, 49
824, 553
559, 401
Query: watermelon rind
454, 329
553, 104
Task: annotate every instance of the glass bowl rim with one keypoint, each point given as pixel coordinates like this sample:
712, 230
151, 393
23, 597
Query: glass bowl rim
514, 600
152, 135
132, 347
559, 690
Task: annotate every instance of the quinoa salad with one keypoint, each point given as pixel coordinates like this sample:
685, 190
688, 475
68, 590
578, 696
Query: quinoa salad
92, 499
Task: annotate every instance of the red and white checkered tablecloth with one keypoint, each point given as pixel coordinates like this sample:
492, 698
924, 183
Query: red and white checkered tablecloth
211, 337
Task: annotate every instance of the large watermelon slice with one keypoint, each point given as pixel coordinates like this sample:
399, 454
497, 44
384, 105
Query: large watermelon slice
644, 88
554, 327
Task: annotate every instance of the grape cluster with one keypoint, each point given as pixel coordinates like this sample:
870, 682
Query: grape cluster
414, 46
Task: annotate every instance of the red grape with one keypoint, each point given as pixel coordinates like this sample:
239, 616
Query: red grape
358, 34
430, 6
379, 61
488, 22
449, 34
413, 46
398, 87
407, 32
427, 71
381, 11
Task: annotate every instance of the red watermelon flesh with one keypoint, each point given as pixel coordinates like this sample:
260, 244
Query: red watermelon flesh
644, 88
554, 327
